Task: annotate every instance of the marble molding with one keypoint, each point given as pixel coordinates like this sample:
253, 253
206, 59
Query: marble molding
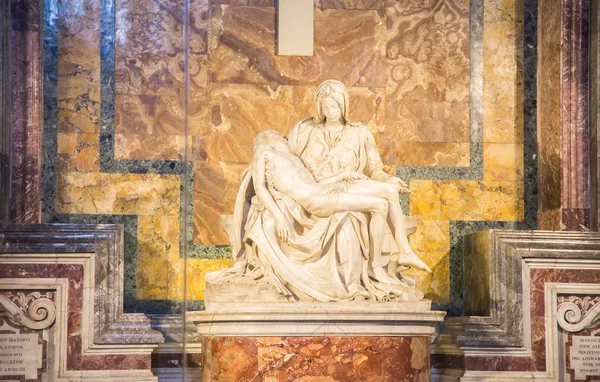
563, 114
104, 242
324, 319
511, 328
5, 107
26, 113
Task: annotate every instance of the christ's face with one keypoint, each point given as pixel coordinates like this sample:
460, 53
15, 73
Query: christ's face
331, 110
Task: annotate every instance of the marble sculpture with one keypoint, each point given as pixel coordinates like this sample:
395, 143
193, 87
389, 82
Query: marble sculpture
317, 217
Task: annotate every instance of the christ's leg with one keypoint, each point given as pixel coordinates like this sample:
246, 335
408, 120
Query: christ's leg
395, 218
378, 207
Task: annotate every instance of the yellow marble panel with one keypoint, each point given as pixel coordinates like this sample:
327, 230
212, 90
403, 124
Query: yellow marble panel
503, 71
78, 152
503, 161
196, 270
158, 271
159, 279
431, 242
134, 194
215, 189
432, 154
466, 200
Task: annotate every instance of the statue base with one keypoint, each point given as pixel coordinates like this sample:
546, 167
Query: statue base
317, 341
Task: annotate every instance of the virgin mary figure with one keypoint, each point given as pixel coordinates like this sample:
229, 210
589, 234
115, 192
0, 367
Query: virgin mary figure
326, 258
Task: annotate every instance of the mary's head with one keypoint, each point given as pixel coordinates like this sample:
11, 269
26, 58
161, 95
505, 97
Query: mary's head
331, 102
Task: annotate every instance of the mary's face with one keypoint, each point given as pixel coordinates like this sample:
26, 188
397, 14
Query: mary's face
331, 110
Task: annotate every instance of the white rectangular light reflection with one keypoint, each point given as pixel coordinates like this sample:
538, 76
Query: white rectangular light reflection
295, 27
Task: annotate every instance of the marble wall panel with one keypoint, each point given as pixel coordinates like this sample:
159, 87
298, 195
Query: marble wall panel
351, 4
467, 200
503, 162
502, 66
26, 113
239, 112
78, 152
216, 185
431, 242
135, 194
432, 154
79, 67
428, 77
348, 46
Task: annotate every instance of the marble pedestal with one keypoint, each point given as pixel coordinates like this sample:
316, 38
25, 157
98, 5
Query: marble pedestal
358, 341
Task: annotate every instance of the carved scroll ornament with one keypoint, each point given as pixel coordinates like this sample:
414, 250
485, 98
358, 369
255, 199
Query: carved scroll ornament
575, 314
40, 314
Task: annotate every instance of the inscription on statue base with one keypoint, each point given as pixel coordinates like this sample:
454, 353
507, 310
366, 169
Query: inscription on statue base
585, 356
20, 355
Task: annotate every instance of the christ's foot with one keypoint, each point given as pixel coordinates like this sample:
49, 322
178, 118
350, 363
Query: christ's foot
411, 260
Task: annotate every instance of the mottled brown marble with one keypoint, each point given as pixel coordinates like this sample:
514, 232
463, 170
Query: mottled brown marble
427, 93
347, 46
428, 51
78, 152
239, 112
548, 114
116, 362
312, 359
503, 162
143, 121
351, 4
503, 71
79, 68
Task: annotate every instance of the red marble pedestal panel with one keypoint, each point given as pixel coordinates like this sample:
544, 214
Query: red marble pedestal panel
312, 359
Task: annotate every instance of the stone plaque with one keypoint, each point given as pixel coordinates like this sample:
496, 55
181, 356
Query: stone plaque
585, 356
20, 355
